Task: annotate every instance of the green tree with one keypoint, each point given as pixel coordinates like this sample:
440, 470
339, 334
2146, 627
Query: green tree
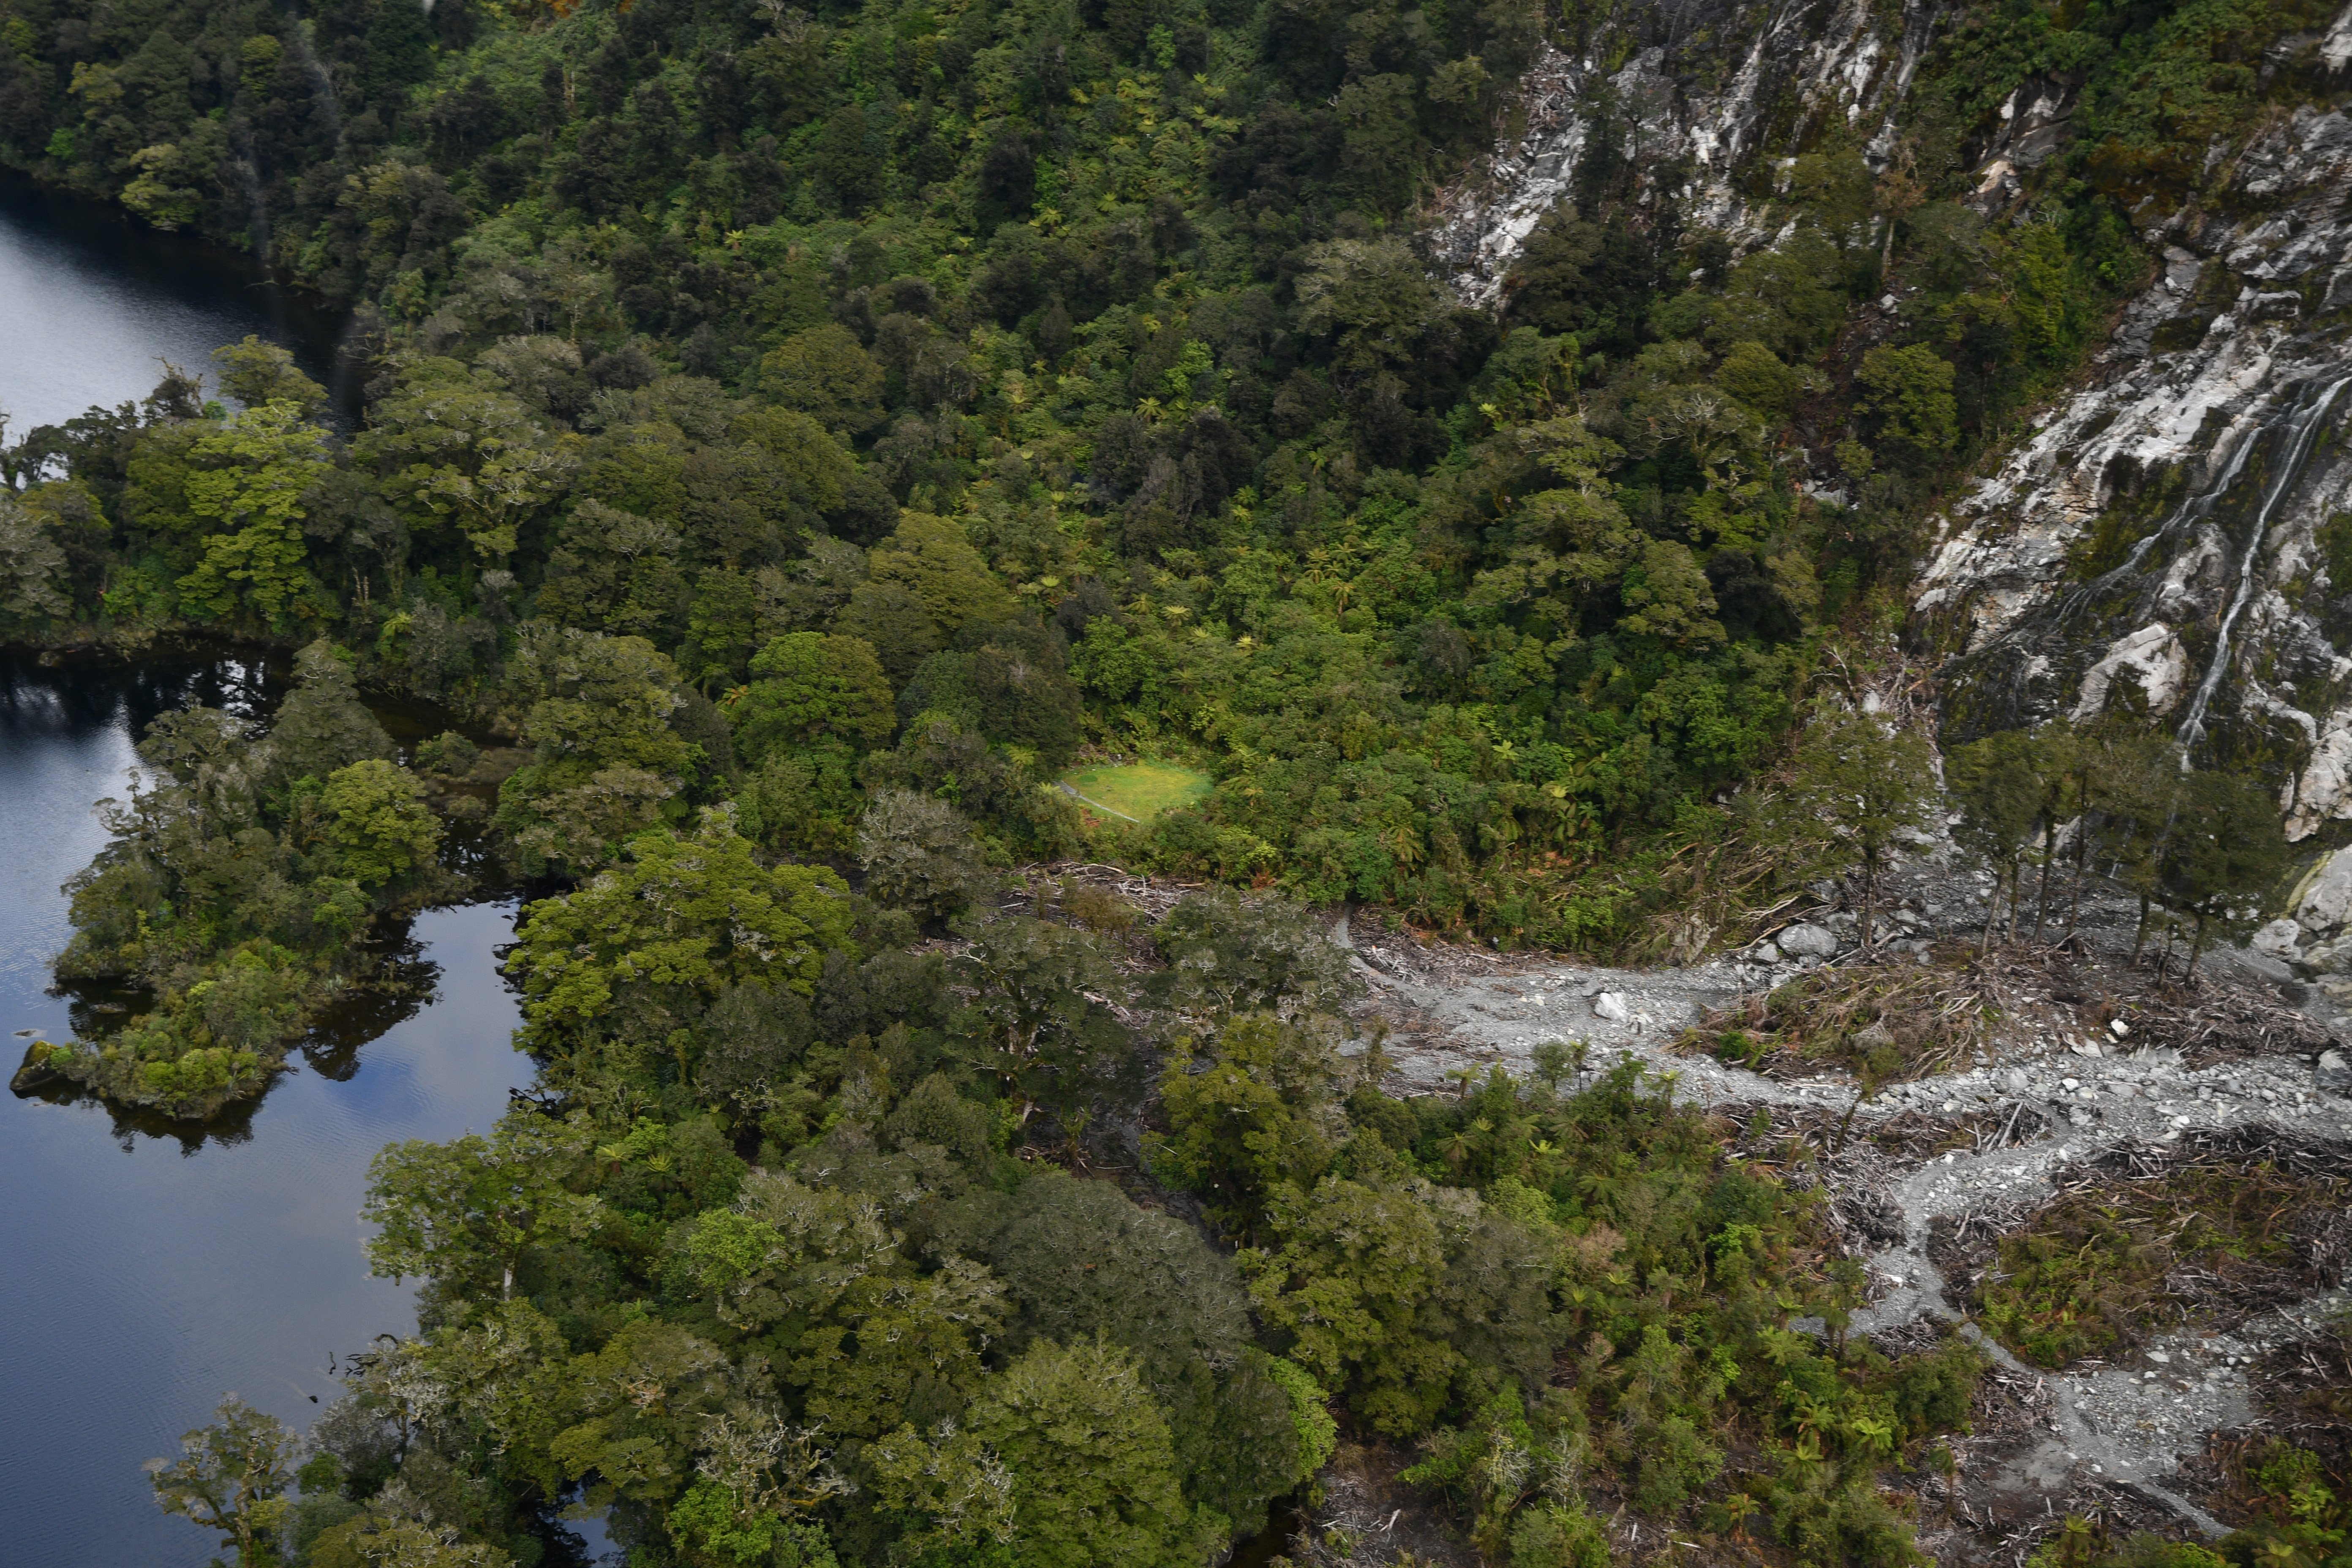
1667, 596
1998, 786
1754, 375
826, 374
605, 756
932, 558
1372, 297
256, 372
1044, 994
1357, 1258
2218, 854
1227, 954
1258, 1118
680, 918
379, 823
808, 685
1094, 1474
231, 1477
1859, 786
920, 854
1908, 392
451, 444
322, 725
463, 1213
34, 587
251, 479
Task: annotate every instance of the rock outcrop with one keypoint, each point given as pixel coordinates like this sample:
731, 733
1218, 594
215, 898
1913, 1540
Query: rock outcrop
2176, 538
1700, 100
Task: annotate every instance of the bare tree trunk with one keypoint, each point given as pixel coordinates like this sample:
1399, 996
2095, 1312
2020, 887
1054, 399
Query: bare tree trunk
2041, 899
2140, 937
1869, 901
1992, 916
2082, 867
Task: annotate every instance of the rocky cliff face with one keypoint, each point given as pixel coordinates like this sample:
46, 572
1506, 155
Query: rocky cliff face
2175, 537
1696, 100
2169, 536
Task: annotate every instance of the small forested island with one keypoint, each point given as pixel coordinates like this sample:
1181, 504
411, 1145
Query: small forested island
843, 475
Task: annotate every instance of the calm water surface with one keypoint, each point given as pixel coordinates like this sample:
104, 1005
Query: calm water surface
91, 303
146, 1269
145, 1272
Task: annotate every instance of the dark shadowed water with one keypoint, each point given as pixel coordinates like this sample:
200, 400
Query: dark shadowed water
91, 303
145, 1270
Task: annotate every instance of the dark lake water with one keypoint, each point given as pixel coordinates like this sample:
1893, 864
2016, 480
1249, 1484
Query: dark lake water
145, 1271
89, 303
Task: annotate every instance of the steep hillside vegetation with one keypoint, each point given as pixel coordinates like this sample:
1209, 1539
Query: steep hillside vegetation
1098, 339
1491, 444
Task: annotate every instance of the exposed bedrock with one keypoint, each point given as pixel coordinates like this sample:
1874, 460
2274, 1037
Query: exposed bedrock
1711, 88
2175, 538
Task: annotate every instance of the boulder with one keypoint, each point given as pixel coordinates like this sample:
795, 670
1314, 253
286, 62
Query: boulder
2333, 1072
2327, 902
1611, 1005
2277, 939
1806, 940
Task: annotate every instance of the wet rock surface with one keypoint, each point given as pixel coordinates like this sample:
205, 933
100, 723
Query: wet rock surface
2164, 527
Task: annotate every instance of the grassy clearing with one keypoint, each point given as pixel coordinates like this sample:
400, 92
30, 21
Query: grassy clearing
1138, 792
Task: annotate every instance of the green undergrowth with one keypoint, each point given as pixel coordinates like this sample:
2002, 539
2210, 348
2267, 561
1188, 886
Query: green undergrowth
2095, 1271
2298, 1519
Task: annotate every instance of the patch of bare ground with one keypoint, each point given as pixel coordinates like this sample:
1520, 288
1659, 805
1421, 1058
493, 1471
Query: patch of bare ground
1368, 1519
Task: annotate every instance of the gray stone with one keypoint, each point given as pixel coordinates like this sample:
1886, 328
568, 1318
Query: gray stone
1609, 1005
2333, 1072
2327, 902
2277, 939
1806, 940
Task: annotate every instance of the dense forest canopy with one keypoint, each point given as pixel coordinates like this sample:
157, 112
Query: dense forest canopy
1080, 365
783, 442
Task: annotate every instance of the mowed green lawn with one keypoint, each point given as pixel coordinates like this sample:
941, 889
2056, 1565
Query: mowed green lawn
1137, 791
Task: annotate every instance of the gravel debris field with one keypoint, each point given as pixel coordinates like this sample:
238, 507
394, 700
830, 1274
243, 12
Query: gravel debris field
2086, 1058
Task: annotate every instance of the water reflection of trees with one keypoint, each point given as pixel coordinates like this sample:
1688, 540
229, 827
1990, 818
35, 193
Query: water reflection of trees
80, 694
400, 979
49, 697
233, 1125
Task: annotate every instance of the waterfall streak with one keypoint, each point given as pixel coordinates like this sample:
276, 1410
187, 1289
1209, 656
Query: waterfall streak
2303, 430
